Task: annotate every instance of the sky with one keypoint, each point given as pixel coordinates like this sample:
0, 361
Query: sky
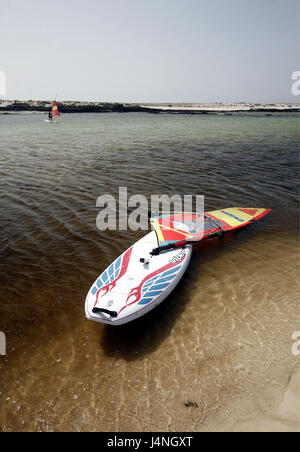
150, 50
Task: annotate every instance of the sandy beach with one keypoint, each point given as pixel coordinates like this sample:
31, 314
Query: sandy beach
224, 107
285, 418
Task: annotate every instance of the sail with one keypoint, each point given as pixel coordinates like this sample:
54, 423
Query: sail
54, 111
181, 227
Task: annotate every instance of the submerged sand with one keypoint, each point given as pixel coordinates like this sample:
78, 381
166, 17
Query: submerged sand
216, 356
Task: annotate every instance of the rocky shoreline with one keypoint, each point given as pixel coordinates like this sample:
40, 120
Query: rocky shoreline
8, 106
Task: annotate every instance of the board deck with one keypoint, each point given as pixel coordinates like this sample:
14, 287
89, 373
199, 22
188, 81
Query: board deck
132, 288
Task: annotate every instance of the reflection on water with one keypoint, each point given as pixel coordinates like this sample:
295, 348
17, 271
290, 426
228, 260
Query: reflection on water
221, 340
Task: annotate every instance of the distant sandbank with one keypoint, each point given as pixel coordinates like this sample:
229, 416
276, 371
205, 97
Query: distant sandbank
30, 106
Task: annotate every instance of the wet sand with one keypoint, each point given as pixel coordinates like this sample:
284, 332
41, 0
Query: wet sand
217, 354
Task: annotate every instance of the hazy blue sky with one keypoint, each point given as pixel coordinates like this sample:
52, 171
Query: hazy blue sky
150, 50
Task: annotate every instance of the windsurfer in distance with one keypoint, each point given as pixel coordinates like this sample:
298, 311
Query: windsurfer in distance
50, 115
